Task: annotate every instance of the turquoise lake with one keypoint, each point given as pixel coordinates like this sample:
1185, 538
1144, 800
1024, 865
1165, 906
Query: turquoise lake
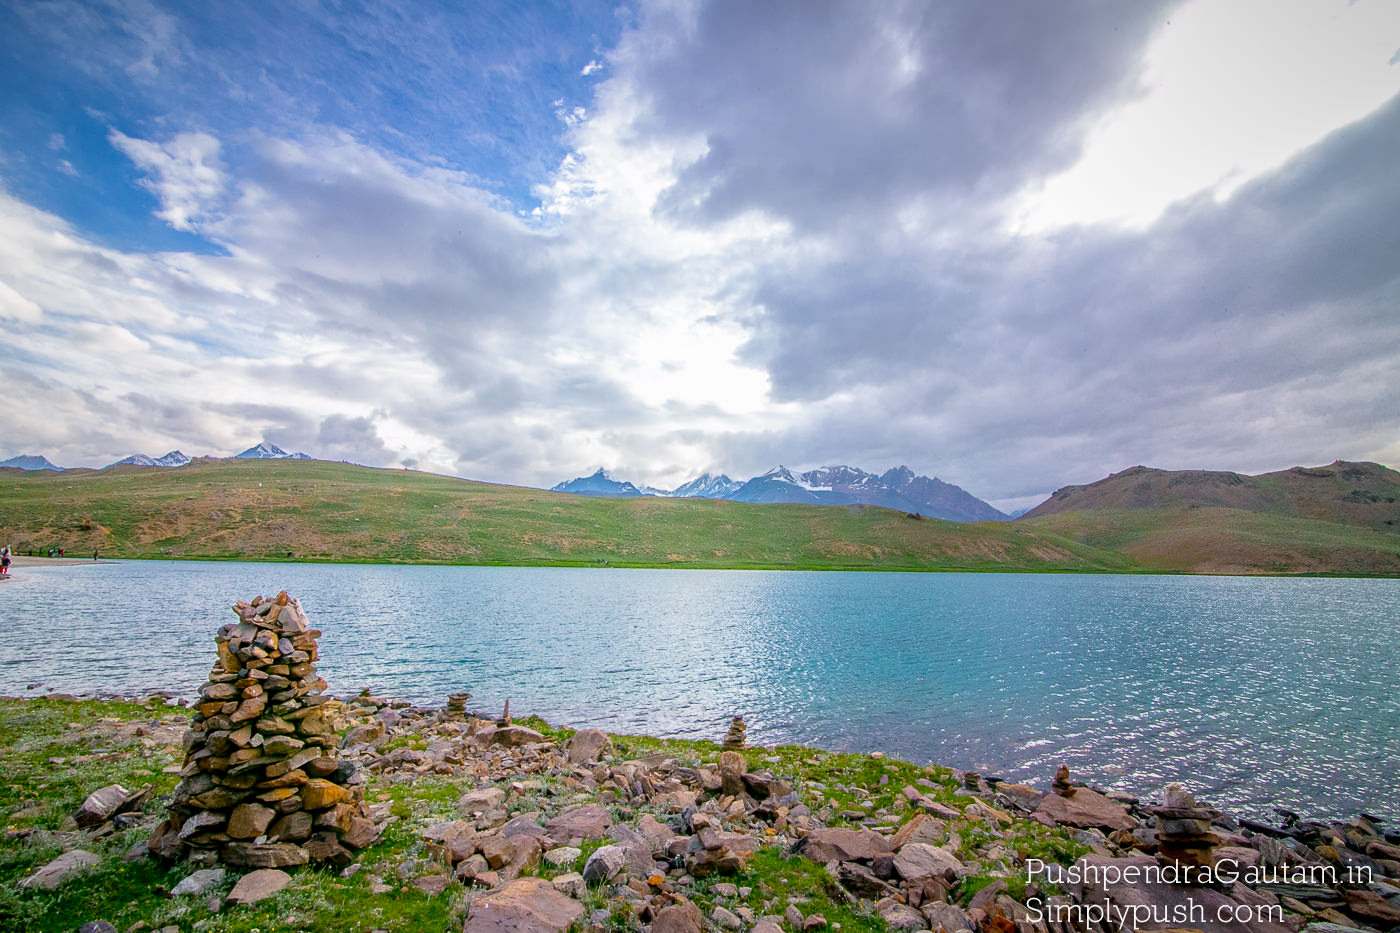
1255, 692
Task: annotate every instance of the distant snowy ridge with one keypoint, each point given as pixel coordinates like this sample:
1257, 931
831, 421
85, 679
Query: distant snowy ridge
899, 488
173, 459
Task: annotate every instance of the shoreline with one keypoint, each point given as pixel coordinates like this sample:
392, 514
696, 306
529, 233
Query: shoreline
18, 560
446, 785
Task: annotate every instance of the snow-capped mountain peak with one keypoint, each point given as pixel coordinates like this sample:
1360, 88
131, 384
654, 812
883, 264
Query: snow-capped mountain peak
29, 462
173, 459
266, 451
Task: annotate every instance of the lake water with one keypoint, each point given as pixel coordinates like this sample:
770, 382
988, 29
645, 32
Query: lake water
1256, 692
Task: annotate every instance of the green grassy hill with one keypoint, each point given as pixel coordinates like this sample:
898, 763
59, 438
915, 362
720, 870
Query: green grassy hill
1342, 518
313, 510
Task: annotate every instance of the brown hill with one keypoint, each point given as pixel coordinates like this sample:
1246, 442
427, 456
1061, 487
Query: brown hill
1362, 494
1343, 518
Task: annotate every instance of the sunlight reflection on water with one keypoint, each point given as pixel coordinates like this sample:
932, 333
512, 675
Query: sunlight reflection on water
1255, 691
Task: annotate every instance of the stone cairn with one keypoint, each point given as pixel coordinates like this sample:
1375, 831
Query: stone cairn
261, 785
1062, 786
456, 709
737, 735
1184, 836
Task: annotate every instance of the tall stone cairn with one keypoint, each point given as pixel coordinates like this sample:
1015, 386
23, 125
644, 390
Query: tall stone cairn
261, 786
737, 735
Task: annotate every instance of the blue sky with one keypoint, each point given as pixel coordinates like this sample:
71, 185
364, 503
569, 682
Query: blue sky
519, 241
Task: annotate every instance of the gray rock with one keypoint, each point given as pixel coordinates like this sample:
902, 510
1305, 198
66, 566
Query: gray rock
199, 882
479, 801
726, 920
562, 855
60, 869
920, 860
604, 864
97, 926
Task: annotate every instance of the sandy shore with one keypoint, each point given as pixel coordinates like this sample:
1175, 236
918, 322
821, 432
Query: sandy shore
19, 560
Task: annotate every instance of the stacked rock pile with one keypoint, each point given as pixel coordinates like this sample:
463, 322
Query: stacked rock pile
1184, 835
262, 786
456, 708
737, 735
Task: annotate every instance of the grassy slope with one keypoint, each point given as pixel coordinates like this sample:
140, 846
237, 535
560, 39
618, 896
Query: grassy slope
311, 510
1223, 540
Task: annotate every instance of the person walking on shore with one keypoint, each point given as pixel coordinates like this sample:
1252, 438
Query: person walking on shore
5, 561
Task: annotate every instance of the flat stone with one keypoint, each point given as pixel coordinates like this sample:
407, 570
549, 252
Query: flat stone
476, 802
1370, 905
573, 885
270, 855
726, 919
515, 736
562, 855
586, 822
60, 869
199, 882
1086, 810
258, 885
526, 905
1239, 903
919, 860
432, 885
842, 845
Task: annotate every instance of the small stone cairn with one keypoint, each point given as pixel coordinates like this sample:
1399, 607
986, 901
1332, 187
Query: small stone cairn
262, 786
1062, 785
456, 709
1184, 836
737, 735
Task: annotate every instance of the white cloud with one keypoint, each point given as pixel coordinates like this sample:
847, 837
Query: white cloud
593, 67
1231, 89
185, 174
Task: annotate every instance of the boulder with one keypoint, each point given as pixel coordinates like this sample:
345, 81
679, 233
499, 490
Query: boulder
526, 905
842, 845
919, 860
1166, 898
515, 736
1085, 810
258, 885
199, 882
682, 917
604, 864
587, 745
480, 800
100, 805
586, 822
60, 869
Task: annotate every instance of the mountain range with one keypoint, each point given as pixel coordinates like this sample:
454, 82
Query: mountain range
175, 458
899, 488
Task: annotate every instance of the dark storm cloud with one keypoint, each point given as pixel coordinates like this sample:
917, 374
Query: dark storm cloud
811, 112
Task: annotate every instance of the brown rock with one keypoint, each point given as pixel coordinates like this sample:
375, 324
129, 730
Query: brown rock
1086, 810
515, 736
294, 827
255, 886
269, 855
588, 745
318, 793
526, 905
1371, 906
683, 917
843, 845
586, 822
362, 832
249, 820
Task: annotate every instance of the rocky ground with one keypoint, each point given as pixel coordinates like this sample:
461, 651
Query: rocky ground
485, 826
